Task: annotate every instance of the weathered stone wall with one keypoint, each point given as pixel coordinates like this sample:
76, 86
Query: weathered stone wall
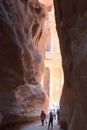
71, 23
21, 34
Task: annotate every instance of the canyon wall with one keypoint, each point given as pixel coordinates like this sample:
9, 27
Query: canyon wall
71, 23
21, 61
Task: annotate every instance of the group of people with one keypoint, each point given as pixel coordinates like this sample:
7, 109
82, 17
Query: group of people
51, 117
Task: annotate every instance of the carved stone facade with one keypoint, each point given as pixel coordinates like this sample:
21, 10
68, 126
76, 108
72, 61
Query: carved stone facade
53, 75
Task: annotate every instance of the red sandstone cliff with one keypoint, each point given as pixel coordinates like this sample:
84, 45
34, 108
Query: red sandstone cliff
21, 36
71, 23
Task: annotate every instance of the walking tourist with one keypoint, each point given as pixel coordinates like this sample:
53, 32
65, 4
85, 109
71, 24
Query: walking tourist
50, 121
58, 112
42, 116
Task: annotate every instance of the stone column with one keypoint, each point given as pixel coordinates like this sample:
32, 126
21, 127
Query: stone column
51, 84
51, 30
52, 27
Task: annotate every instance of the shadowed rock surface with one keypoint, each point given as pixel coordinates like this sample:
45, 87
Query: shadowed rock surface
71, 23
21, 64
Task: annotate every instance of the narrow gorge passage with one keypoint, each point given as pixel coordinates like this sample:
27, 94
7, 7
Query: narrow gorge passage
31, 78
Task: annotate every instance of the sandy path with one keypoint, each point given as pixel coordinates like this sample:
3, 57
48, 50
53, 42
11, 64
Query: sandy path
38, 126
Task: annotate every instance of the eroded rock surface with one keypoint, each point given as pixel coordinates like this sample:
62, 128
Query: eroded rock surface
71, 23
21, 34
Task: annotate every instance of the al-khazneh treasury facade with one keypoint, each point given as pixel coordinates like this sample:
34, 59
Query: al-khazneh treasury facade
52, 80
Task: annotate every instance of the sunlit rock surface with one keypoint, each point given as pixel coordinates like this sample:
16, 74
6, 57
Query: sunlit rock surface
21, 63
71, 19
48, 4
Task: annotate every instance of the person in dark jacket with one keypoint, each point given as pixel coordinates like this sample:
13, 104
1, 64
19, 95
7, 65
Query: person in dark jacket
42, 116
58, 115
50, 121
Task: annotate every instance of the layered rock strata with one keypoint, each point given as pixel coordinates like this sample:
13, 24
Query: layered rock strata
21, 64
71, 23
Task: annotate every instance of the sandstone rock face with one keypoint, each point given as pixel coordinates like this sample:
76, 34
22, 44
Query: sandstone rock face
21, 34
48, 4
71, 23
